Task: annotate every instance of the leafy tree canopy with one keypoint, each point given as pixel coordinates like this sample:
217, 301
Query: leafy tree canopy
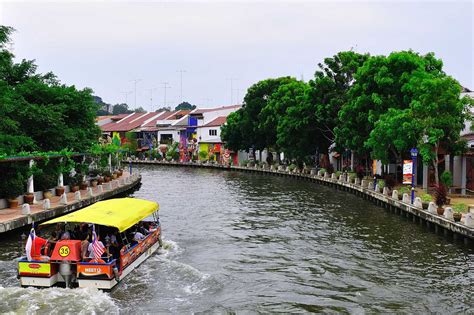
185, 106
381, 83
39, 113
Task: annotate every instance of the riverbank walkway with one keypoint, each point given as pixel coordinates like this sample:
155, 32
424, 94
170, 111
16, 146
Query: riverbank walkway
11, 219
444, 224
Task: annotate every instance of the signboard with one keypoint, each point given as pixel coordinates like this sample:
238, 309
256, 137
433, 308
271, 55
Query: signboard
407, 171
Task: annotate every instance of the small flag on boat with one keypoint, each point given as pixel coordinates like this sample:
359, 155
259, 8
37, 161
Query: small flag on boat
97, 246
30, 243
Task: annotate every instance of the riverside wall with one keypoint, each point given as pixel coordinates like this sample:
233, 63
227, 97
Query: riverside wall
439, 224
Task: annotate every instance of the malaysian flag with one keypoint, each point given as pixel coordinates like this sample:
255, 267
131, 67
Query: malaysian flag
30, 243
97, 246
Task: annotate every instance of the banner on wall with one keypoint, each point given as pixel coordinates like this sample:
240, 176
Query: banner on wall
407, 171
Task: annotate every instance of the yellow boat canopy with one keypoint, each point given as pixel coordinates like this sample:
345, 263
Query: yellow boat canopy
121, 213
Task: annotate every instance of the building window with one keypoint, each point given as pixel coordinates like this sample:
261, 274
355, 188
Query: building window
213, 132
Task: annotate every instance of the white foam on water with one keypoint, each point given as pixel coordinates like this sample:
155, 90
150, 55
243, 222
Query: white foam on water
14, 300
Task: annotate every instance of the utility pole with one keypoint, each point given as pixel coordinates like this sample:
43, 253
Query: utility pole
232, 90
151, 98
237, 92
181, 83
126, 94
136, 81
165, 86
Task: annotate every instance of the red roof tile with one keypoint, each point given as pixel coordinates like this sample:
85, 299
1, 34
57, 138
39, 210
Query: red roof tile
219, 121
133, 121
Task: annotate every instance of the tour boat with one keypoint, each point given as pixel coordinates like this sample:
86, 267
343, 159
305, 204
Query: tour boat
62, 264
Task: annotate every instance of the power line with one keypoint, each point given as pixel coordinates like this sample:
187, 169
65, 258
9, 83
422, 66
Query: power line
232, 90
126, 96
165, 87
181, 83
135, 81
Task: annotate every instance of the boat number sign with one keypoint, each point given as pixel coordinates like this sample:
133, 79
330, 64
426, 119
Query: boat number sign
64, 251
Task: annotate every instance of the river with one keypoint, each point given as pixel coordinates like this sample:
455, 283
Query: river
245, 243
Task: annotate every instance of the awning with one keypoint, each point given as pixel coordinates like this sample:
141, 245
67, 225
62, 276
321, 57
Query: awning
121, 213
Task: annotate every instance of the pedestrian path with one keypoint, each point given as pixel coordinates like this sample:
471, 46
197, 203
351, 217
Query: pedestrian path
11, 219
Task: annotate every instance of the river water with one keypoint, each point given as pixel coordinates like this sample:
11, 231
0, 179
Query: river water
245, 243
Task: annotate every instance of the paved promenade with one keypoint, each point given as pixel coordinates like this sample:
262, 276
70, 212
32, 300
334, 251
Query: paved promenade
11, 219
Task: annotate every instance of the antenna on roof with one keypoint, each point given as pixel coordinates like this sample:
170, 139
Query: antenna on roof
165, 86
181, 83
136, 81
231, 90
151, 98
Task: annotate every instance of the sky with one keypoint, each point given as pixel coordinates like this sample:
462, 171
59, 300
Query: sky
224, 47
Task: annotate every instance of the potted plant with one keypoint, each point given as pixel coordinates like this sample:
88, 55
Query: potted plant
425, 200
291, 167
75, 181
29, 198
458, 209
403, 190
322, 171
107, 176
11, 188
440, 197
83, 185
389, 182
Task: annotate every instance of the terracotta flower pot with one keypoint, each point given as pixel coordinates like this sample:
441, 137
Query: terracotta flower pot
47, 194
84, 186
13, 203
114, 176
94, 183
59, 191
440, 210
457, 216
106, 179
75, 188
100, 180
29, 198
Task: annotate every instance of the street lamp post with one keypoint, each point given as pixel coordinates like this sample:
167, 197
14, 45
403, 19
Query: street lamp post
414, 154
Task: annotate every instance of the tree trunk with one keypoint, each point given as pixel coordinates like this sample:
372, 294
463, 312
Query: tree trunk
435, 164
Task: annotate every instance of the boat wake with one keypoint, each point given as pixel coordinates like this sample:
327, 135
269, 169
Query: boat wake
14, 300
161, 277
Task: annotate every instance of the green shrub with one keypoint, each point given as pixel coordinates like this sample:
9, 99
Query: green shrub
404, 190
292, 167
323, 171
338, 173
426, 198
352, 175
381, 183
203, 155
446, 179
460, 208
244, 163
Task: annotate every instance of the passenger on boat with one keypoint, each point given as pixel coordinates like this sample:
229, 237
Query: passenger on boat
91, 250
138, 236
59, 230
84, 247
143, 228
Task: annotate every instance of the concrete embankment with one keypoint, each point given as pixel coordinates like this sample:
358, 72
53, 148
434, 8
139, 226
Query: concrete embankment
11, 219
439, 224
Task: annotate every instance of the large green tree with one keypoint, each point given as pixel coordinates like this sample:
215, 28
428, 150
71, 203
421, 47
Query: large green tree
39, 113
380, 83
330, 87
